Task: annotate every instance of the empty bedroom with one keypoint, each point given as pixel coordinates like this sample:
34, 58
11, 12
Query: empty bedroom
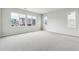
39, 29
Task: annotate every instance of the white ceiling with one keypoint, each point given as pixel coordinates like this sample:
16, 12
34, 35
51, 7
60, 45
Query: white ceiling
41, 10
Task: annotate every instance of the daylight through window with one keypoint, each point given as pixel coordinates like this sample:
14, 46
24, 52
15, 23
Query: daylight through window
72, 20
22, 20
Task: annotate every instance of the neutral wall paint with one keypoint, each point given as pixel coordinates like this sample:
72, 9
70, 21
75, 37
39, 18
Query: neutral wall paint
57, 22
8, 30
0, 23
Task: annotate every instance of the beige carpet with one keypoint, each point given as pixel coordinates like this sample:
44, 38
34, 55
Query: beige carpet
39, 41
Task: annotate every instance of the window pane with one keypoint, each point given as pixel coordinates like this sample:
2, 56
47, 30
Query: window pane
14, 19
33, 20
17, 19
72, 20
22, 19
45, 20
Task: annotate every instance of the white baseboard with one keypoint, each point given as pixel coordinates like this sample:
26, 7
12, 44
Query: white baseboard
63, 34
17, 34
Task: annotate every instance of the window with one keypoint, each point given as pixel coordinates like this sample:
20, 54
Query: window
45, 20
31, 20
14, 19
17, 19
72, 20
22, 20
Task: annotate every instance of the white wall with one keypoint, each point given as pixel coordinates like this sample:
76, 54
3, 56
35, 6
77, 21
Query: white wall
57, 22
8, 30
0, 23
